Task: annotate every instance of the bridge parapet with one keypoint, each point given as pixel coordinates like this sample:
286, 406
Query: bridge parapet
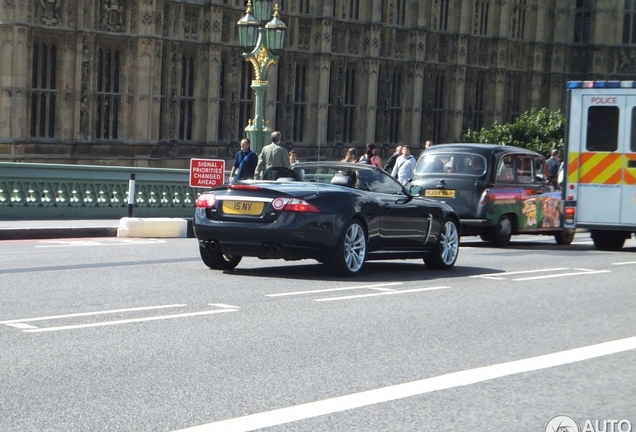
59, 191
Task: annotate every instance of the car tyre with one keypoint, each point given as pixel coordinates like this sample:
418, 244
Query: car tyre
217, 260
564, 237
608, 240
446, 249
500, 234
348, 259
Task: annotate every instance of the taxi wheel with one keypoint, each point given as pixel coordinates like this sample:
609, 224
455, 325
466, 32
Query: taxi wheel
446, 249
500, 234
564, 237
217, 260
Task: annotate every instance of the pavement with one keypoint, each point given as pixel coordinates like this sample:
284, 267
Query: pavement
49, 229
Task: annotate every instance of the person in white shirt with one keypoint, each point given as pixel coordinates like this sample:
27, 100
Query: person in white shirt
404, 166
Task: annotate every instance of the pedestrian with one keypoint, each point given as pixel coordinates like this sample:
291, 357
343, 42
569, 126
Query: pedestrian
404, 166
553, 168
351, 155
293, 157
244, 163
370, 157
428, 144
272, 155
388, 167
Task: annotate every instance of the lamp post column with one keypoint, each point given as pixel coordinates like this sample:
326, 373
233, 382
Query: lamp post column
260, 42
258, 131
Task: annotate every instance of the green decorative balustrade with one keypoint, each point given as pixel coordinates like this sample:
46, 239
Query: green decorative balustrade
55, 191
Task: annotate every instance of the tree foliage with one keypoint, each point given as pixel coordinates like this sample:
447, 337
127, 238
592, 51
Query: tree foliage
540, 131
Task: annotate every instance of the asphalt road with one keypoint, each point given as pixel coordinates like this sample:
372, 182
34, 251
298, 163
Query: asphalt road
113, 334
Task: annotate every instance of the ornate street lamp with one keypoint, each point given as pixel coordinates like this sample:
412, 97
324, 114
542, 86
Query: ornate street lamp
260, 42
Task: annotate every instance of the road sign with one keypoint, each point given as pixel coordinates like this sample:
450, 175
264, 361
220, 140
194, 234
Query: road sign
207, 172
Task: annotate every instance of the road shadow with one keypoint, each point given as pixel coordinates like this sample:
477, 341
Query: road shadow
374, 272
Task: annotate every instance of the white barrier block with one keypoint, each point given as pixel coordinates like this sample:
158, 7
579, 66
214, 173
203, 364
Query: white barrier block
152, 227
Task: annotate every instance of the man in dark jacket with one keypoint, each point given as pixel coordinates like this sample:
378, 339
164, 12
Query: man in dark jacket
244, 163
391, 162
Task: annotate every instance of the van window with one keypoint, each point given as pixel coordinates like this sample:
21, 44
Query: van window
602, 128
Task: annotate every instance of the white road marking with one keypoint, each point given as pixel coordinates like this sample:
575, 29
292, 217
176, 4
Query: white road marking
502, 276
224, 306
79, 243
91, 313
624, 263
414, 388
581, 272
381, 294
127, 321
22, 326
376, 286
499, 275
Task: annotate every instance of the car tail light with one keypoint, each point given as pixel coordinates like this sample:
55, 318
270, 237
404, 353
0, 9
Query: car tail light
484, 197
294, 205
569, 213
206, 200
244, 187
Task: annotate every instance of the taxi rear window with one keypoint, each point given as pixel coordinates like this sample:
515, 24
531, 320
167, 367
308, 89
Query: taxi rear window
451, 163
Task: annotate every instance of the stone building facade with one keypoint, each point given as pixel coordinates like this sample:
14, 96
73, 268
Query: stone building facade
157, 82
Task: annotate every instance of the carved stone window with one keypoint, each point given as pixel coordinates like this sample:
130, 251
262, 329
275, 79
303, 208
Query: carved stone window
342, 102
349, 105
440, 14
246, 107
303, 6
354, 9
400, 13
482, 9
300, 102
223, 105
108, 93
44, 91
583, 21
519, 19
389, 105
434, 107
629, 22
186, 97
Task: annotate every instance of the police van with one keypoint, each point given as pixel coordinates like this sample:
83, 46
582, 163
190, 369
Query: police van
600, 160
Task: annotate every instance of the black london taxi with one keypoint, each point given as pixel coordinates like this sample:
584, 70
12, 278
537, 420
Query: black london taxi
497, 190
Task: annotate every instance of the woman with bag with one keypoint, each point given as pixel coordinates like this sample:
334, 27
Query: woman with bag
370, 157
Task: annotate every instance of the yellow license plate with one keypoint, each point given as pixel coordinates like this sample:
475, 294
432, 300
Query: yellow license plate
440, 193
250, 208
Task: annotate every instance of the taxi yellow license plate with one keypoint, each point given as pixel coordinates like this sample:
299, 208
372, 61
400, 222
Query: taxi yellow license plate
440, 193
250, 208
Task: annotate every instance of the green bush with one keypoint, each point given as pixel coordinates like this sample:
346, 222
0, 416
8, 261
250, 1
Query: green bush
540, 131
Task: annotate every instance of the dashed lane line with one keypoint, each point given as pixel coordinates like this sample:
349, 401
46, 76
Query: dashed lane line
128, 321
374, 286
414, 388
381, 294
83, 314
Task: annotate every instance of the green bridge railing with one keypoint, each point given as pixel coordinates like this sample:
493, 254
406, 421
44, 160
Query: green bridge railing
56, 191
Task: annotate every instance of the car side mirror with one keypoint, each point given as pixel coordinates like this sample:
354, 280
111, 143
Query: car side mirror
416, 190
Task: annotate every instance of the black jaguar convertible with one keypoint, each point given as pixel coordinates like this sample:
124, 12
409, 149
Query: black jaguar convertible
341, 214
